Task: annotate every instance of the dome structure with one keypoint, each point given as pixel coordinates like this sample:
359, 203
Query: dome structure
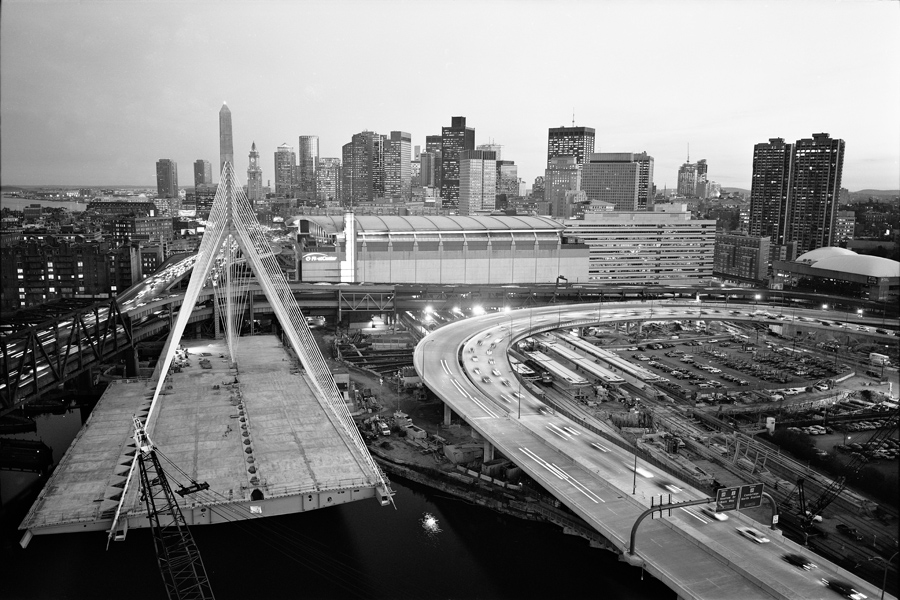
859, 264
814, 256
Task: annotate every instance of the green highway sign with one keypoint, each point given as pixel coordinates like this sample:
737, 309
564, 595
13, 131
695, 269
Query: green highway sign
736, 498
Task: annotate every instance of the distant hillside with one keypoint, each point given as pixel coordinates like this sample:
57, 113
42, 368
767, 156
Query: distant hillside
876, 193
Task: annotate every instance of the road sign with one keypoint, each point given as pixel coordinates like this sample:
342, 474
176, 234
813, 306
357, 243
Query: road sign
727, 498
751, 496
736, 498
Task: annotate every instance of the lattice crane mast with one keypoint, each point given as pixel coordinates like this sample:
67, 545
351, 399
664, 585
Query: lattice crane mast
179, 559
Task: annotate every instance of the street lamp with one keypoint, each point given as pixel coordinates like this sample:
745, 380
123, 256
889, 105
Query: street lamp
886, 564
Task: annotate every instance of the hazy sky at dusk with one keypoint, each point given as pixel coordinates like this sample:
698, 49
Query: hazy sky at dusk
93, 93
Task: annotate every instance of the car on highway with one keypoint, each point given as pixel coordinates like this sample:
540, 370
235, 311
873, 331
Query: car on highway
710, 512
486, 379
495, 372
798, 560
505, 381
474, 359
844, 589
671, 487
753, 535
477, 371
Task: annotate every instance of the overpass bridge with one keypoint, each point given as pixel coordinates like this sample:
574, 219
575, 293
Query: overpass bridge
603, 483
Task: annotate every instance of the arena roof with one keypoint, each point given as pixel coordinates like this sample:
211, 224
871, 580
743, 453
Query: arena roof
393, 223
859, 264
819, 253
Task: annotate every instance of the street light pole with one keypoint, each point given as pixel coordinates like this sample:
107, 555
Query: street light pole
886, 565
634, 472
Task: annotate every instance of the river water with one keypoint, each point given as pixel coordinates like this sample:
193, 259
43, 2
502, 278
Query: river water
357, 550
14, 203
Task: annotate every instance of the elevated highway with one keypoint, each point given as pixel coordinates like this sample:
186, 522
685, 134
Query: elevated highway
695, 555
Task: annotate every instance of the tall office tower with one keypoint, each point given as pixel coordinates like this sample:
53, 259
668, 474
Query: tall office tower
308, 157
495, 148
454, 139
429, 162
226, 143
612, 177
537, 190
563, 175
363, 168
702, 169
687, 179
166, 178
507, 178
477, 181
433, 143
202, 172
814, 191
433, 146
397, 178
417, 151
415, 172
328, 180
570, 141
769, 190
346, 183
645, 181
285, 161
254, 176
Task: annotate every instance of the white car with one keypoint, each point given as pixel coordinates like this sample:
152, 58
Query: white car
711, 513
753, 535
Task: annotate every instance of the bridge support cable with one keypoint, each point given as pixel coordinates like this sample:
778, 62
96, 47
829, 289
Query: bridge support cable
233, 227
179, 559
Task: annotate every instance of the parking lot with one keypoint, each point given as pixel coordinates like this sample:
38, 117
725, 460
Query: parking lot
726, 369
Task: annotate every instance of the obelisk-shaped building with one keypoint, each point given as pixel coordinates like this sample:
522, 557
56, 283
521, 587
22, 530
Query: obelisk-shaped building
226, 144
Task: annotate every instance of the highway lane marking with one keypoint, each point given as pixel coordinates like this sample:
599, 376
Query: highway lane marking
445, 367
555, 429
695, 515
562, 475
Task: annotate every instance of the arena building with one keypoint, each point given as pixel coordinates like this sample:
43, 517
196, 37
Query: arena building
437, 249
840, 272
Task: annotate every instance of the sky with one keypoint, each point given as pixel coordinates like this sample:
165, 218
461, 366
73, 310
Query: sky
95, 92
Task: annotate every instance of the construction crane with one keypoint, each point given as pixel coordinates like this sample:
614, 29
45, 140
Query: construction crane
811, 512
179, 559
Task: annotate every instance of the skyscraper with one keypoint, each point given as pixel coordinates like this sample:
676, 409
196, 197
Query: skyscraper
454, 140
645, 181
254, 176
795, 190
477, 181
226, 143
166, 178
495, 148
687, 179
285, 161
570, 141
397, 178
308, 157
363, 168
769, 189
429, 165
507, 178
818, 163
562, 175
612, 177
328, 180
202, 172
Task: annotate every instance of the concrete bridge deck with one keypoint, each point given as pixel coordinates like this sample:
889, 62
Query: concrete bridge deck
300, 458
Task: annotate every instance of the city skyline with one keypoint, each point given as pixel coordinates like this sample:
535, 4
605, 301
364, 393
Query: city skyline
111, 88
